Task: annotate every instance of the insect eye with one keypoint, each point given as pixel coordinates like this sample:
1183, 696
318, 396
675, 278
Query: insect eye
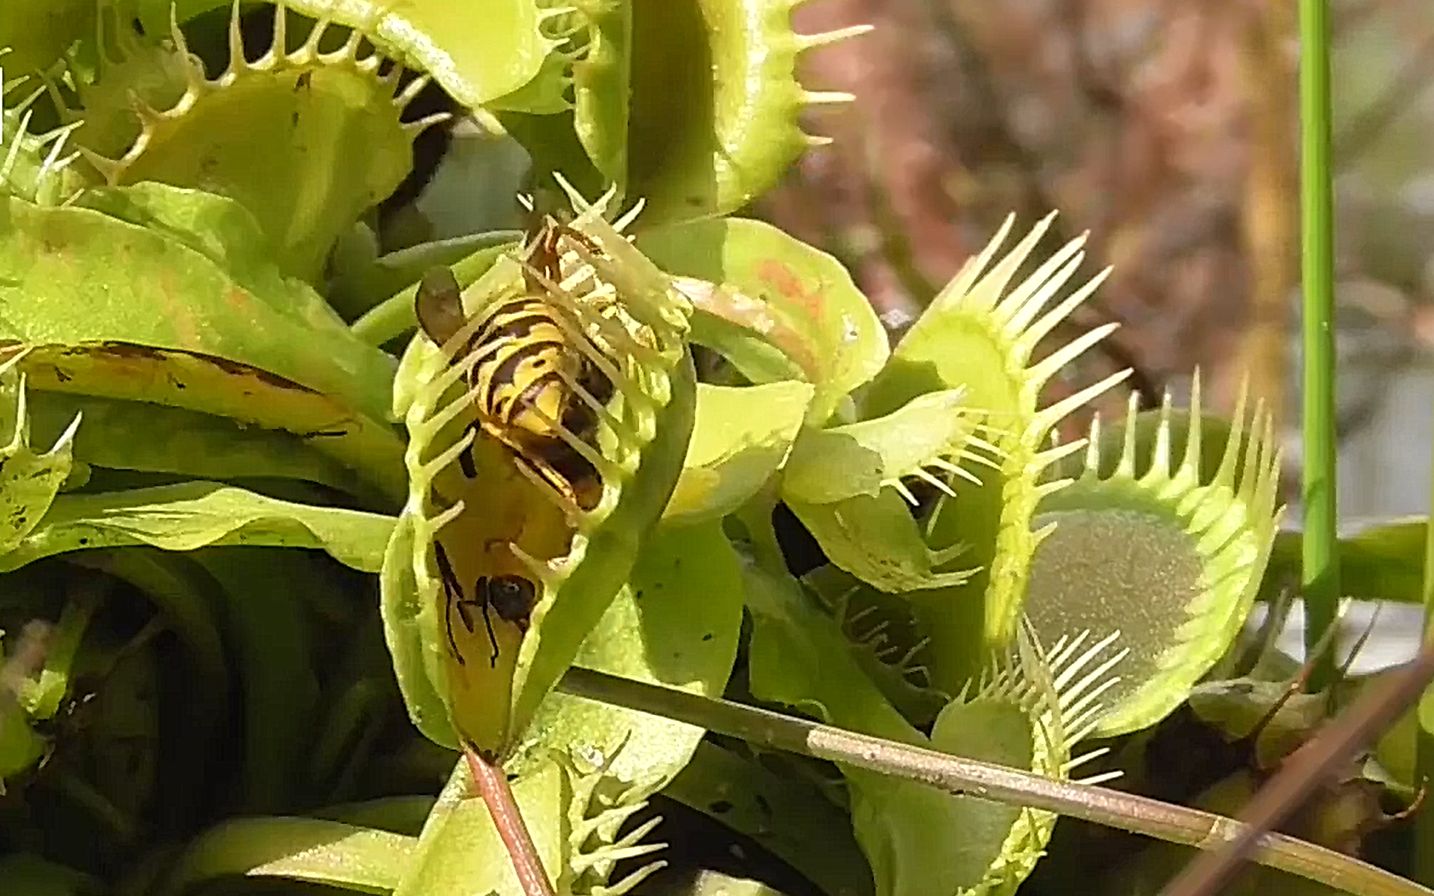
511, 597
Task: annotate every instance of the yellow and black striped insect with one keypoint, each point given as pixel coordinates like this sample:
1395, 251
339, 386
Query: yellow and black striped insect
535, 378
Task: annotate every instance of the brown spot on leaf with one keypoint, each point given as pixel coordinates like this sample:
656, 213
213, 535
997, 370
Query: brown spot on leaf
786, 282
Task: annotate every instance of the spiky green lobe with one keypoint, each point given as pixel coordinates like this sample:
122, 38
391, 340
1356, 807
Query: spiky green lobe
575, 810
33, 167
627, 306
474, 58
980, 334
126, 70
277, 133
712, 120
885, 638
1170, 559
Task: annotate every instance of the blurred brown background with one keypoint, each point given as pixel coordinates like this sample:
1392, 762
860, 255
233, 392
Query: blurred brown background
1169, 131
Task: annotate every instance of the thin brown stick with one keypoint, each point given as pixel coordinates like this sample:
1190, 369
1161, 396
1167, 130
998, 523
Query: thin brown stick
493, 787
1304, 772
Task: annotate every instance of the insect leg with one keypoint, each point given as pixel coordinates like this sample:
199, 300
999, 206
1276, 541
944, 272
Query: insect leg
465, 606
486, 605
451, 590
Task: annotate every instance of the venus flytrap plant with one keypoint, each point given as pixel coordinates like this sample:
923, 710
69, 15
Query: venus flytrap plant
582, 518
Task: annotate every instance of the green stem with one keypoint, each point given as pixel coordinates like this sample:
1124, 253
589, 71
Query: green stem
387, 320
1320, 574
1424, 738
958, 775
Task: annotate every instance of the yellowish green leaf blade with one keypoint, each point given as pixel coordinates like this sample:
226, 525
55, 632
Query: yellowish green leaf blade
740, 439
192, 515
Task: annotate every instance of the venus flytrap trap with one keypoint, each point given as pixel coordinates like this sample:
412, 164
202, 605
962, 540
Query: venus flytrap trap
1191, 550
555, 505
713, 118
859, 516
980, 334
180, 127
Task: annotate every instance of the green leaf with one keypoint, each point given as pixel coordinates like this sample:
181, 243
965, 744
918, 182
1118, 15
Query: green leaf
119, 435
740, 438
202, 514
830, 465
139, 297
1378, 560
876, 539
459, 852
675, 624
364, 860
396, 316
783, 812
223, 231
29, 481
35, 876
273, 649
358, 288
780, 293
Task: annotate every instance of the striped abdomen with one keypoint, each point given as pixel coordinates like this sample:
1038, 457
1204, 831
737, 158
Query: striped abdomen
526, 375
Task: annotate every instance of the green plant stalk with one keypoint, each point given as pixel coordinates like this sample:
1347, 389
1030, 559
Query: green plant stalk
387, 320
957, 775
1320, 570
1424, 736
